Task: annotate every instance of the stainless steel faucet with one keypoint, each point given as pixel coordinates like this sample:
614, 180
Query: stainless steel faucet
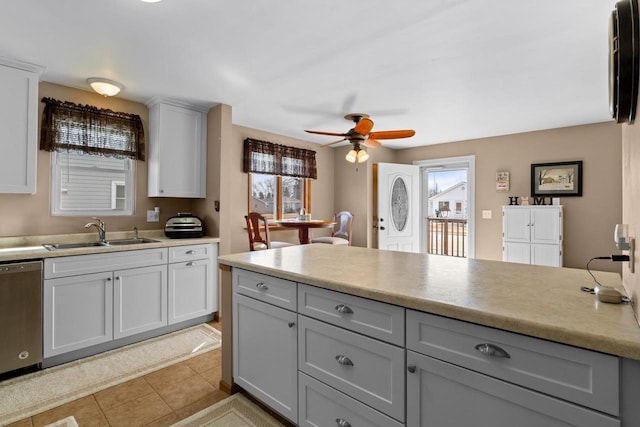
102, 229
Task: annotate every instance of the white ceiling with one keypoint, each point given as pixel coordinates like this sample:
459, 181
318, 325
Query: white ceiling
450, 69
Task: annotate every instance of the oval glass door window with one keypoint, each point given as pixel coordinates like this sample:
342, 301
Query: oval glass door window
399, 204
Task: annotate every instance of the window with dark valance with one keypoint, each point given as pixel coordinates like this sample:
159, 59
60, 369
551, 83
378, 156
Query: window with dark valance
274, 159
82, 128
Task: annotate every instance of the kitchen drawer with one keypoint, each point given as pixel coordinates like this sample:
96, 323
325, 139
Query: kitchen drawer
366, 369
96, 263
375, 319
577, 375
190, 252
321, 405
442, 394
265, 288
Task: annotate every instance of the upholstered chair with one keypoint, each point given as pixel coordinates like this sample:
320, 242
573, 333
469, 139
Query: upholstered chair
341, 231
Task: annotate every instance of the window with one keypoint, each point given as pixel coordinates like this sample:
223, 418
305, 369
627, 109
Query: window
278, 197
279, 178
92, 160
92, 185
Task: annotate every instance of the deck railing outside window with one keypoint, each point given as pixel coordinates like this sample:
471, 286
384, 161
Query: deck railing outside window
447, 236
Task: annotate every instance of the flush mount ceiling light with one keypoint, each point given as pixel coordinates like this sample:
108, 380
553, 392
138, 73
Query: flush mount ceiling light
105, 87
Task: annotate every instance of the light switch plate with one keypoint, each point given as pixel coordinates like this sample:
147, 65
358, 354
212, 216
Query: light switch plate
153, 216
487, 214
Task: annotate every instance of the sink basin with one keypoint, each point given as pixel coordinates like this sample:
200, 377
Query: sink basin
119, 242
56, 246
129, 241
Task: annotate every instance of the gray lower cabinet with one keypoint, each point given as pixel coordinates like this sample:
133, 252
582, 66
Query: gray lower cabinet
140, 300
192, 278
442, 394
78, 312
265, 353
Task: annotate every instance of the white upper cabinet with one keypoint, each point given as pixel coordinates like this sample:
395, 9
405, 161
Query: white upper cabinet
18, 125
177, 153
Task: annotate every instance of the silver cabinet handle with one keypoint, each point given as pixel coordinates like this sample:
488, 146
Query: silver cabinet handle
117, 277
342, 422
291, 324
262, 286
411, 369
492, 350
108, 279
344, 360
190, 264
341, 308
190, 252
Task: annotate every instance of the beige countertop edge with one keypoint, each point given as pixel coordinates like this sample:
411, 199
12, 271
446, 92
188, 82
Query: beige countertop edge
617, 346
30, 247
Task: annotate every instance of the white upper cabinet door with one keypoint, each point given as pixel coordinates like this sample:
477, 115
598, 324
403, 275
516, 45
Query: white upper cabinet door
18, 126
546, 225
516, 225
177, 150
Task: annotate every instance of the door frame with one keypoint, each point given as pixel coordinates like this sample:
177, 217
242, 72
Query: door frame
459, 162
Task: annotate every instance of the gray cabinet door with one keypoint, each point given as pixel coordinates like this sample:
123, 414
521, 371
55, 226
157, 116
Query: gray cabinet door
78, 312
140, 300
191, 290
441, 394
265, 354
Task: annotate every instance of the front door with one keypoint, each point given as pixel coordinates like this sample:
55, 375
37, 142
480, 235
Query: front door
398, 198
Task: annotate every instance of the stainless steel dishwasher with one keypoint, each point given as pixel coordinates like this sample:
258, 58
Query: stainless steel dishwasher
20, 315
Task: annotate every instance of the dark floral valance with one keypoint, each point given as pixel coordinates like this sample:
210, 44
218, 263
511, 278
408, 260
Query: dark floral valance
275, 159
83, 128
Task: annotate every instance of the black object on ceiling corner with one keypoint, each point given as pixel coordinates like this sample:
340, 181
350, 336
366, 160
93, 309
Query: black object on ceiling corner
624, 37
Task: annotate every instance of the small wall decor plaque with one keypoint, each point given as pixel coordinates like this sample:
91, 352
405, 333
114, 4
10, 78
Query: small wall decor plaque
502, 181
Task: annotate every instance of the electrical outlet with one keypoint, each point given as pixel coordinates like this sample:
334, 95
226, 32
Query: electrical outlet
153, 216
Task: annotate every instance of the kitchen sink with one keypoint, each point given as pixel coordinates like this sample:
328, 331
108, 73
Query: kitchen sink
129, 241
119, 242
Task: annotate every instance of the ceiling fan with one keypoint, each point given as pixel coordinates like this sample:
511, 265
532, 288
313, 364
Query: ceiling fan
361, 134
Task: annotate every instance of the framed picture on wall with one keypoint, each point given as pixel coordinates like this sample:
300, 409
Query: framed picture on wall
556, 179
502, 181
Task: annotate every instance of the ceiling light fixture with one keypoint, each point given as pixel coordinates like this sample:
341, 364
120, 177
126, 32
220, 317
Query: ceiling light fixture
357, 154
105, 87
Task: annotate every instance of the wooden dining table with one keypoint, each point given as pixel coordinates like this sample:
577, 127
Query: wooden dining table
303, 227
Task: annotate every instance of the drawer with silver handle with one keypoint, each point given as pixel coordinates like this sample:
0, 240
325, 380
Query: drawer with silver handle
366, 369
321, 405
190, 252
581, 376
373, 318
265, 288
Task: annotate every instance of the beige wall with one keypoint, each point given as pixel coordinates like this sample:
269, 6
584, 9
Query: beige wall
25, 214
589, 220
631, 205
237, 182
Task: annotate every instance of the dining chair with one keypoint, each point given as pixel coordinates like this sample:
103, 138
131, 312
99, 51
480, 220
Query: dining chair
341, 234
256, 241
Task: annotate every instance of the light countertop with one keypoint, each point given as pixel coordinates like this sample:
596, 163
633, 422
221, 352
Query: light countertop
543, 302
30, 247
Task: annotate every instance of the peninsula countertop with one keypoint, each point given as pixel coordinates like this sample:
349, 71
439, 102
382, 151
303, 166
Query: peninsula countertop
543, 302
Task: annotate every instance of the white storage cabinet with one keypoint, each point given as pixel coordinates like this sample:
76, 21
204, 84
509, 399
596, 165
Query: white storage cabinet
177, 152
265, 341
193, 289
532, 235
18, 125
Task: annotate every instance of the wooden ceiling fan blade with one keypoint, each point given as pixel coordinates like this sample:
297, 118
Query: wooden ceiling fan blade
334, 142
364, 126
325, 133
393, 134
372, 143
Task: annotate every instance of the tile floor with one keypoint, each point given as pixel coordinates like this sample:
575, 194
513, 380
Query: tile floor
160, 398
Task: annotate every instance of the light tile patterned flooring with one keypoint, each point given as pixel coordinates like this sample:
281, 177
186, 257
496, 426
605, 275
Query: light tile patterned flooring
160, 398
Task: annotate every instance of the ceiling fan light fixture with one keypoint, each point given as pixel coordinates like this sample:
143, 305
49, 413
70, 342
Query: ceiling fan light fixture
105, 87
352, 156
362, 156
